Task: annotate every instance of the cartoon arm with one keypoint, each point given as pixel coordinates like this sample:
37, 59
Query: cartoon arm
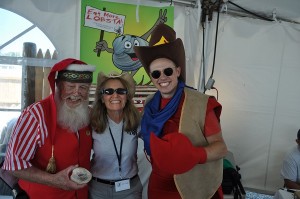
102, 46
161, 19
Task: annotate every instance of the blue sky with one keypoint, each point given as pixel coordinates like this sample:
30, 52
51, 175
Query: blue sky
11, 25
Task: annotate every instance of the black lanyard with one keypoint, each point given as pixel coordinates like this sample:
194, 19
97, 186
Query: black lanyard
121, 144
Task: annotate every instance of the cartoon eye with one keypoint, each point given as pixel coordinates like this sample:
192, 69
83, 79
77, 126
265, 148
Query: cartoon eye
136, 43
127, 44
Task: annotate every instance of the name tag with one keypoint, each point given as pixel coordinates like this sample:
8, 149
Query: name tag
122, 185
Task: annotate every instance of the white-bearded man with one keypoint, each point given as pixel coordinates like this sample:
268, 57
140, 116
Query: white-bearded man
52, 136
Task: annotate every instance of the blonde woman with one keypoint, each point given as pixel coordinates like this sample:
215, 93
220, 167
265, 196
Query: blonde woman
115, 121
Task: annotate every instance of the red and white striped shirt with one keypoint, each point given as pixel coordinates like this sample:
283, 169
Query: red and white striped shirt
29, 133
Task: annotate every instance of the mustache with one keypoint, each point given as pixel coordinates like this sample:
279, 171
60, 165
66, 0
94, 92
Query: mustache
72, 97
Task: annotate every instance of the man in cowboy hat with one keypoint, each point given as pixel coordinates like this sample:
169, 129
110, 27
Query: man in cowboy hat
52, 137
180, 126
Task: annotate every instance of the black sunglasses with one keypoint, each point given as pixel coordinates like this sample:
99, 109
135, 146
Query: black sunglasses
110, 91
157, 73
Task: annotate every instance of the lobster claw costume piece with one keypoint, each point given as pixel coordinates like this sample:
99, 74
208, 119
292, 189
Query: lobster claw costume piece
173, 159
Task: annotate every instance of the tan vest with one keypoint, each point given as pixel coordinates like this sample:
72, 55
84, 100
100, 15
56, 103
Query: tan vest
203, 180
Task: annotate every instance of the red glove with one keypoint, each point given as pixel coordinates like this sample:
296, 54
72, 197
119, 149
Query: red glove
174, 153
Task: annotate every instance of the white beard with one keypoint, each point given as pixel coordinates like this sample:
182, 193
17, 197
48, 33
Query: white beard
72, 118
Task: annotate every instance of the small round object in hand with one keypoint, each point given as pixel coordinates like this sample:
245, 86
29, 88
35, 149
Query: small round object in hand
81, 175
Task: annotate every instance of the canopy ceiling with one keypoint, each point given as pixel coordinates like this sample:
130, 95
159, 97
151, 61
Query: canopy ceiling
287, 10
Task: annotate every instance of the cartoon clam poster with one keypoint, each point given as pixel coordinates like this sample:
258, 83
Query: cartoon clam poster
110, 30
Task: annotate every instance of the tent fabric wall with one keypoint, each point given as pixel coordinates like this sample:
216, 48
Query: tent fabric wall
256, 73
59, 20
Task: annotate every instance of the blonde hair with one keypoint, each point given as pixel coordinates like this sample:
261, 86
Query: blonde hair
131, 115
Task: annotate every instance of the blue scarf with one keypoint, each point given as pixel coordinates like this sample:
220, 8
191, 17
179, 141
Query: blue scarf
154, 119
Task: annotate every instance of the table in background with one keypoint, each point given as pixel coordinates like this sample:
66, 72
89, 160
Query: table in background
284, 194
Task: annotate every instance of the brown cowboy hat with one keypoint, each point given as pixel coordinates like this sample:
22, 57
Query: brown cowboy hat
126, 77
163, 44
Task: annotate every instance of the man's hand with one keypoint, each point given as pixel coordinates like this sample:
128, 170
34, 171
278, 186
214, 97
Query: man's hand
59, 180
62, 180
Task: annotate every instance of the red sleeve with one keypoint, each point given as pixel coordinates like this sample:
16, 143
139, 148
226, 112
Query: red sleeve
174, 153
25, 137
212, 119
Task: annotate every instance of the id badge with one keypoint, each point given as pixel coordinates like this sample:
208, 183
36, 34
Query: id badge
122, 185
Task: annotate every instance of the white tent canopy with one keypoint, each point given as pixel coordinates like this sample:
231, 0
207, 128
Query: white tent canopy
256, 72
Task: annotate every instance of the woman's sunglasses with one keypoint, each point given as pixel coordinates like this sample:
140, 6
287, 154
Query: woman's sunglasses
157, 73
110, 91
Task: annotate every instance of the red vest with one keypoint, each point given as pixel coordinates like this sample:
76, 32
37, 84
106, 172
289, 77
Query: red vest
69, 149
